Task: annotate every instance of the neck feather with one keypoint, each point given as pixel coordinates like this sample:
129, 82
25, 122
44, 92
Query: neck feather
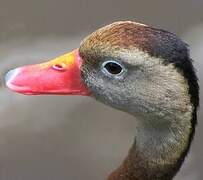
159, 149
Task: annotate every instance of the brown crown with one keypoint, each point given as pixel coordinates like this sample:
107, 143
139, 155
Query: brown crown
129, 35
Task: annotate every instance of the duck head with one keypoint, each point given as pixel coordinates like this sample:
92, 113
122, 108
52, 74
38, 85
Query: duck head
127, 65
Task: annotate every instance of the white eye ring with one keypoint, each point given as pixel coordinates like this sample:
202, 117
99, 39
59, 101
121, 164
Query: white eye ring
113, 68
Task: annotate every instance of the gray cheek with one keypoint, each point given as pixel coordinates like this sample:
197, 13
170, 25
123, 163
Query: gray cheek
128, 94
113, 92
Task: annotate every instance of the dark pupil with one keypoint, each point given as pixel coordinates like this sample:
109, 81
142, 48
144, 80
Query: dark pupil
113, 68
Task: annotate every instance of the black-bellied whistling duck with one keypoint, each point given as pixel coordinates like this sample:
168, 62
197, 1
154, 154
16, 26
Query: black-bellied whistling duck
144, 71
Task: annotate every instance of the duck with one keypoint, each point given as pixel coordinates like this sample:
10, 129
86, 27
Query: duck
144, 71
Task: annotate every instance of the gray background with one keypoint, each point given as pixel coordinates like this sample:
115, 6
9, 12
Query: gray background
74, 138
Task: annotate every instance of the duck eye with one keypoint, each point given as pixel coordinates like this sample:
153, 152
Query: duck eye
112, 67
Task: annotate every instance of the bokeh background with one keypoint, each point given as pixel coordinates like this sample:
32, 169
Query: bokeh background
74, 138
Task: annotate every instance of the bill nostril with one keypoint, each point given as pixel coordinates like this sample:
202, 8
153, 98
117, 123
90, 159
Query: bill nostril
59, 67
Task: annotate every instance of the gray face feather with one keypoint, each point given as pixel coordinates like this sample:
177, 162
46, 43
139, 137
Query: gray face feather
146, 86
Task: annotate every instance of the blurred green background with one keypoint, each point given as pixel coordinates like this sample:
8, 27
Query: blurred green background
74, 138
